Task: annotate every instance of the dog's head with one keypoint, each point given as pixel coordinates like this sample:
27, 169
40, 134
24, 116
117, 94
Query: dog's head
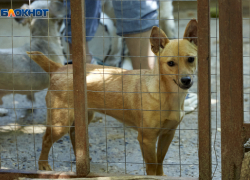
56, 13
177, 58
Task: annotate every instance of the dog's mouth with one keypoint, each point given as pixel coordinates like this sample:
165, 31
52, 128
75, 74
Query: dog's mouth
184, 87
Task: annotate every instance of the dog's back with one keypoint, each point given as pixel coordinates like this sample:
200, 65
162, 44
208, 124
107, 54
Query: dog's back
105, 86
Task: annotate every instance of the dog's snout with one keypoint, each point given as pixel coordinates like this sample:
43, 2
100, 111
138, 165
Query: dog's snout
186, 80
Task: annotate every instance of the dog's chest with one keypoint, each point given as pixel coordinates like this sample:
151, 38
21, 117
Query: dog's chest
174, 115
173, 108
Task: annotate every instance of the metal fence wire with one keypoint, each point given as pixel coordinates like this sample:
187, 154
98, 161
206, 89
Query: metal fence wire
46, 106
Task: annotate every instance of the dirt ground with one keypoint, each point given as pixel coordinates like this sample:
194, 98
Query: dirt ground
112, 144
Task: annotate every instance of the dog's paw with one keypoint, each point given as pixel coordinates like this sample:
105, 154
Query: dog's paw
44, 166
160, 172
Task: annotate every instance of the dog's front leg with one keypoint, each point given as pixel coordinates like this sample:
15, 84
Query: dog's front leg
164, 141
147, 139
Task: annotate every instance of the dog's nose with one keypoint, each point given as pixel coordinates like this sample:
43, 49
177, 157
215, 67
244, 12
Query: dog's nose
186, 80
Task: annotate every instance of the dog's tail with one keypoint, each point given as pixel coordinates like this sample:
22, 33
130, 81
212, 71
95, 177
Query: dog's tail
42, 60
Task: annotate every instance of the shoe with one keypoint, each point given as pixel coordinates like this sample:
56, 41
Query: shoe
190, 103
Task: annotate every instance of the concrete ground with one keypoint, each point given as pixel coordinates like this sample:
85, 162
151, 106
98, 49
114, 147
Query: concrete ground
111, 144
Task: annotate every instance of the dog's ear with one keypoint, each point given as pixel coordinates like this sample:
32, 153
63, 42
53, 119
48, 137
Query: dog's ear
191, 32
158, 40
57, 9
23, 20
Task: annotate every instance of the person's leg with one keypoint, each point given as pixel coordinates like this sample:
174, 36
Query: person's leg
93, 10
140, 47
134, 21
166, 18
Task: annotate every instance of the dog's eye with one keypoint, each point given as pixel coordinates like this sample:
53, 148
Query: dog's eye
191, 59
171, 63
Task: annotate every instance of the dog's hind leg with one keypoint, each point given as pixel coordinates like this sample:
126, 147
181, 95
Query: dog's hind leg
3, 112
72, 129
59, 121
51, 135
31, 98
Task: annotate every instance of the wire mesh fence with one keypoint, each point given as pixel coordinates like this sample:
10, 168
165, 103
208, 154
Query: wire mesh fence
119, 94
245, 31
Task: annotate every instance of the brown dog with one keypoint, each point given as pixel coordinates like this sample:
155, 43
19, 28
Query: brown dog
153, 100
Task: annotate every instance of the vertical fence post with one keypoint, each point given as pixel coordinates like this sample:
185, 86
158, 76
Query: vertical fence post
204, 82
231, 87
80, 90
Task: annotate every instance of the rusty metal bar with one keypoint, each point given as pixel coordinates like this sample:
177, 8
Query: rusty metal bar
15, 174
231, 87
9, 174
204, 82
80, 90
122, 176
